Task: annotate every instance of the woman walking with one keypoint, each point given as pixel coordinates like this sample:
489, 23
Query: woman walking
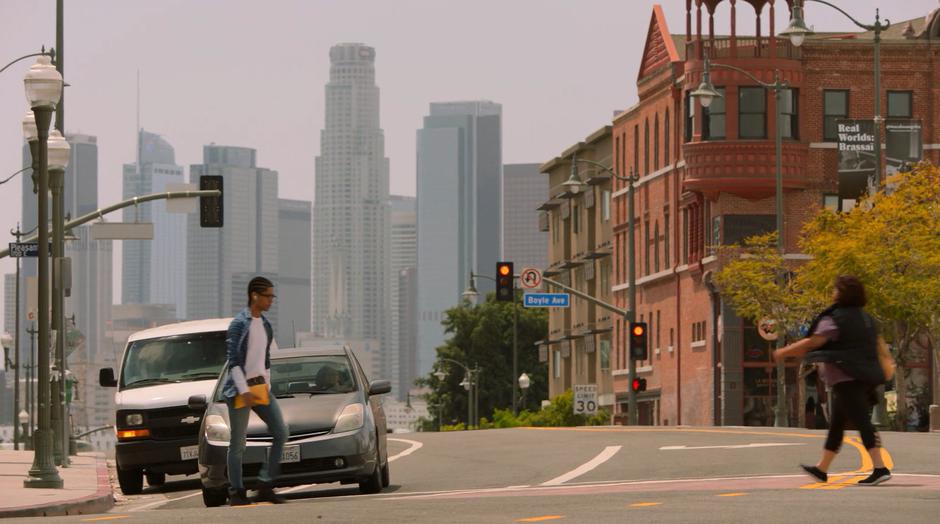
843, 339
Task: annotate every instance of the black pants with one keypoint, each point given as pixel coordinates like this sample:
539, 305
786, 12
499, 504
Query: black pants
851, 402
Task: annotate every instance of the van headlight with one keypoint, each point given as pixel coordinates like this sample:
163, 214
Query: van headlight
217, 429
351, 418
134, 419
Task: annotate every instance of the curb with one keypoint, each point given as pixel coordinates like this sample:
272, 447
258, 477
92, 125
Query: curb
100, 502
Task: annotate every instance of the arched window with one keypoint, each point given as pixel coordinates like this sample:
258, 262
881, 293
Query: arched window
666, 138
656, 143
646, 147
656, 247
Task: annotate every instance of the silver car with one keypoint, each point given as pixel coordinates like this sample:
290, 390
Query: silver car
335, 421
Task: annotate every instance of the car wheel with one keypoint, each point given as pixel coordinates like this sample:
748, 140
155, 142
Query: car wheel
156, 479
214, 497
130, 480
373, 483
385, 476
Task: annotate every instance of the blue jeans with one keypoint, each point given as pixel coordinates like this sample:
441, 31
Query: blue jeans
238, 423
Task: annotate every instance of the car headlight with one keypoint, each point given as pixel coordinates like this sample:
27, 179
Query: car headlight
351, 418
134, 419
217, 429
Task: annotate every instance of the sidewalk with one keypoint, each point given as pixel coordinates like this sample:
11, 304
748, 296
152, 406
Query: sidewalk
87, 488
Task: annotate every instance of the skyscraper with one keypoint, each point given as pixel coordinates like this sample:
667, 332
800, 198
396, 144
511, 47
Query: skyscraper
293, 282
524, 189
351, 210
221, 261
459, 210
404, 249
154, 271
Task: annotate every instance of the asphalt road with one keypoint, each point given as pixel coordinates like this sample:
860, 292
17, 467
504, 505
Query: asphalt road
612, 474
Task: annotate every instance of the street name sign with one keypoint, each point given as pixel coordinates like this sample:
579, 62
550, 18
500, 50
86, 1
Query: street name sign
26, 249
585, 399
546, 300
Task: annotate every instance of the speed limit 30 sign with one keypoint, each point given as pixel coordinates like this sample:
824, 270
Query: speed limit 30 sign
585, 399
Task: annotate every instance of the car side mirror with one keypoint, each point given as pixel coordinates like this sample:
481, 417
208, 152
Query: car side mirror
379, 387
197, 403
106, 378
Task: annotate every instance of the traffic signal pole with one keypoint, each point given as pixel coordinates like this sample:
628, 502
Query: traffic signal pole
84, 219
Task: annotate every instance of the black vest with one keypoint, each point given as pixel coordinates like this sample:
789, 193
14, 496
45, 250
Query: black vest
856, 351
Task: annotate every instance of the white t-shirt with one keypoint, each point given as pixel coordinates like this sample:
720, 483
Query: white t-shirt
254, 358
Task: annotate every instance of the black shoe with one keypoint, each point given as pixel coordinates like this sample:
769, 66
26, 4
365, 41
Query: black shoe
877, 476
266, 494
816, 473
238, 497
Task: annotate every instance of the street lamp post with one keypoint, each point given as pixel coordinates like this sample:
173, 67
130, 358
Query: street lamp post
23, 418
470, 295
798, 30
524, 383
706, 93
467, 384
43, 90
574, 184
58, 160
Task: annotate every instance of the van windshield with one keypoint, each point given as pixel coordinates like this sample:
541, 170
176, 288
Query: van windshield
180, 358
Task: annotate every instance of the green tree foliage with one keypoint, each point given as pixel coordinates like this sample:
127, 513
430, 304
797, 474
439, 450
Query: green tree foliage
482, 336
891, 241
557, 414
757, 282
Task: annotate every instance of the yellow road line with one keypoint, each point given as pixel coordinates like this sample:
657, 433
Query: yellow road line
645, 504
846, 482
112, 517
732, 494
540, 519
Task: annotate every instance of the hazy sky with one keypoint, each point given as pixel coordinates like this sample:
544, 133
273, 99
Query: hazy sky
252, 73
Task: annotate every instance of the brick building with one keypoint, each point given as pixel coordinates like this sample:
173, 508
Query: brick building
707, 178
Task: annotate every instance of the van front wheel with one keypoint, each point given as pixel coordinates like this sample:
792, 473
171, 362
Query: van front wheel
131, 481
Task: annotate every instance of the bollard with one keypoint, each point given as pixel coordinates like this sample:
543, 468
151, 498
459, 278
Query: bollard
935, 417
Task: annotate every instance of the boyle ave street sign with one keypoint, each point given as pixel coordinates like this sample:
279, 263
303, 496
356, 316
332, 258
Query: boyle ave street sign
546, 300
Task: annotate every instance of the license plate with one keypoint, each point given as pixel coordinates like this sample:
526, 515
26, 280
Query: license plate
291, 454
189, 452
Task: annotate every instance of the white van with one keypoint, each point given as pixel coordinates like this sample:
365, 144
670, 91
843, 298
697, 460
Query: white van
157, 433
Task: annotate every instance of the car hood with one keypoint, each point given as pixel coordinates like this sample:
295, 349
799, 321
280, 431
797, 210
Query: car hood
162, 395
306, 414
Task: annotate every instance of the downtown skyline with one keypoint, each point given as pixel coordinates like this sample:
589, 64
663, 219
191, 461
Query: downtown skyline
235, 97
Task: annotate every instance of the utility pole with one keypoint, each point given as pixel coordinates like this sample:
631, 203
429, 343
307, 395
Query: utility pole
16, 349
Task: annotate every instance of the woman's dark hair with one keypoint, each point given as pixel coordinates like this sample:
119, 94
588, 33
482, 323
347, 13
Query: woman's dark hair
258, 285
850, 292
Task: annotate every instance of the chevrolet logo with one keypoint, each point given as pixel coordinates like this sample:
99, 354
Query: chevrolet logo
190, 420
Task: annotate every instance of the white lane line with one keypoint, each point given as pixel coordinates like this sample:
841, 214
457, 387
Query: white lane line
162, 502
735, 446
415, 446
601, 458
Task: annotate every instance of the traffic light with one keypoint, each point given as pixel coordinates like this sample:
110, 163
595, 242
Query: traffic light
504, 281
210, 207
639, 346
639, 384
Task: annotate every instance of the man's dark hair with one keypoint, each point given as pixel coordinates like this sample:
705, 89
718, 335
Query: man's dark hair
258, 285
850, 291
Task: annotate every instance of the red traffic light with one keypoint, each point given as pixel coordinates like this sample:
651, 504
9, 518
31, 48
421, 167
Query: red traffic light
638, 330
504, 270
639, 384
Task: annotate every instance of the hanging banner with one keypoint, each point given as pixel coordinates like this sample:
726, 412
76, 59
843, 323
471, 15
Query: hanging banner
904, 144
857, 172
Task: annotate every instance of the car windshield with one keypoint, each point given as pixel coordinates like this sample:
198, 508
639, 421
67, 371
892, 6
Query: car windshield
311, 374
181, 358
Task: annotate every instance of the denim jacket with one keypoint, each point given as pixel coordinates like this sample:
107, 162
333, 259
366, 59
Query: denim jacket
236, 348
